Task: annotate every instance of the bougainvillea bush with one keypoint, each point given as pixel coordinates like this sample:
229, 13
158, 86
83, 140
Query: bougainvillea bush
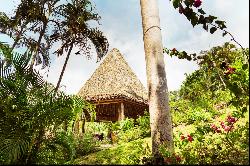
210, 112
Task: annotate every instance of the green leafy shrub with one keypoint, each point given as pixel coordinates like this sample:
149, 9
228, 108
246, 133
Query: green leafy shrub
210, 112
126, 153
28, 107
130, 129
97, 127
214, 143
130, 135
85, 145
126, 124
143, 123
59, 150
125, 130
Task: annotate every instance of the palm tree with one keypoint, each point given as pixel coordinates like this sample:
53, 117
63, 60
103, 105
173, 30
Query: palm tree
37, 15
30, 26
160, 117
12, 28
28, 108
75, 31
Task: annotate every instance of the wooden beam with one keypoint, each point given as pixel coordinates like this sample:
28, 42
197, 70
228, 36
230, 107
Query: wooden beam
121, 112
117, 101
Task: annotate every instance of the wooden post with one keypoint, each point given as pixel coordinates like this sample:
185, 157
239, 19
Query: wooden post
76, 127
82, 125
121, 112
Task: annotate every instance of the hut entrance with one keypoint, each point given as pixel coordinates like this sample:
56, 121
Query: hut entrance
107, 112
119, 111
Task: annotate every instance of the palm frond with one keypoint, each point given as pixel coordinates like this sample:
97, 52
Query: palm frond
4, 23
13, 147
100, 42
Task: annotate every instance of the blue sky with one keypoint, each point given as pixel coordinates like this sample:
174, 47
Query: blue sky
121, 23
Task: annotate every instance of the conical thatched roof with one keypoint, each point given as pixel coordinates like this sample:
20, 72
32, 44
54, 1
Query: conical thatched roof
114, 79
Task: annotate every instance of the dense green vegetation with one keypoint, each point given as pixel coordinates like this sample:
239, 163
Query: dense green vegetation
212, 107
125, 153
32, 112
38, 121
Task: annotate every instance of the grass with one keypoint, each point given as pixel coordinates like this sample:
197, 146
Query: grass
125, 153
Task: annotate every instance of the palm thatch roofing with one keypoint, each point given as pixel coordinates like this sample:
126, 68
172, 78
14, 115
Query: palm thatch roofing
114, 79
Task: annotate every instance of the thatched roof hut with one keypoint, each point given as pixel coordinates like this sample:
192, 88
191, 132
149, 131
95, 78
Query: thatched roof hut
115, 90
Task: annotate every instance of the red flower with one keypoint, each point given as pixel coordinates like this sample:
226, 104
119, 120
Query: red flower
178, 158
174, 49
167, 160
230, 70
183, 137
181, 10
197, 3
222, 125
190, 138
230, 119
218, 130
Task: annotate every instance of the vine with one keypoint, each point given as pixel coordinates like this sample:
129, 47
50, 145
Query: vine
192, 10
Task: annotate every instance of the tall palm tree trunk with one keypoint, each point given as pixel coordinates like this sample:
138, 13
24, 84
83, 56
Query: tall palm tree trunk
38, 44
160, 117
20, 33
64, 67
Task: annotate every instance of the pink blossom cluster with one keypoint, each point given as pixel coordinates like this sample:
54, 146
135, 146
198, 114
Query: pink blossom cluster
230, 120
197, 3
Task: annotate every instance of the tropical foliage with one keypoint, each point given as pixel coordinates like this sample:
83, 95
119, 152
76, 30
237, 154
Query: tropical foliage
30, 109
40, 124
210, 112
41, 25
74, 30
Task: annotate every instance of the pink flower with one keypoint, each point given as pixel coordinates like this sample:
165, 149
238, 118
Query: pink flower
227, 128
222, 125
213, 126
232, 69
230, 119
197, 3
